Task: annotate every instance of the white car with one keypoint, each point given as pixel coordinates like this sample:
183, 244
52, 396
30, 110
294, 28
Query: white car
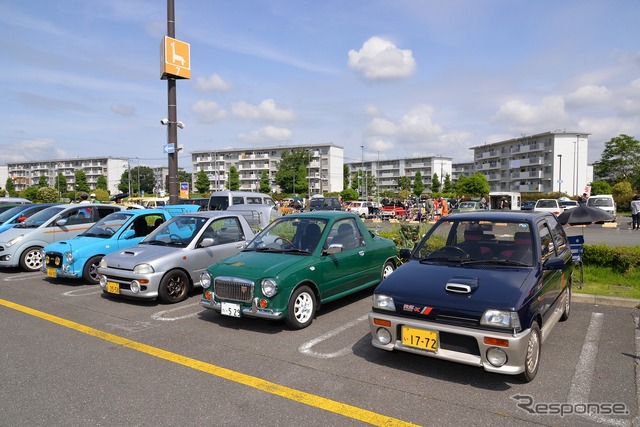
548, 205
359, 208
604, 202
569, 204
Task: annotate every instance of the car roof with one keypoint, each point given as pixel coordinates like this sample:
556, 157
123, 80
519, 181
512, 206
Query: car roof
522, 216
322, 214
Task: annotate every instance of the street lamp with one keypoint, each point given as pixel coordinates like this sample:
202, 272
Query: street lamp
362, 170
560, 176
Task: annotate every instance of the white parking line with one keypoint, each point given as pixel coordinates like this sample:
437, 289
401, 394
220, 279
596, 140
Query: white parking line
22, 276
306, 347
161, 314
581, 384
82, 292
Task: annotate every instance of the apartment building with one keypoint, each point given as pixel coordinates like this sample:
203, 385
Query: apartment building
545, 162
324, 172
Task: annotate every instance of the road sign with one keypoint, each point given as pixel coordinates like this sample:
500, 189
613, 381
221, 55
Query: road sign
175, 59
168, 149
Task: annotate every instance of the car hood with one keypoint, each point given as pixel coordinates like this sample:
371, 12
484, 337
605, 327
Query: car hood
78, 243
254, 265
9, 234
434, 285
151, 254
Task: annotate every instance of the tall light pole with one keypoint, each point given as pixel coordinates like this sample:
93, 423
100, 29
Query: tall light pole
560, 175
362, 170
575, 164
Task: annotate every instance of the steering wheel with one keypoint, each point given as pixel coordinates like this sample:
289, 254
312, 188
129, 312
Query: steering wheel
109, 230
175, 237
450, 252
282, 241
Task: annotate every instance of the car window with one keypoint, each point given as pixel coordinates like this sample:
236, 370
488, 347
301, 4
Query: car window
105, 210
237, 200
224, 230
81, 215
547, 247
254, 200
559, 237
346, 233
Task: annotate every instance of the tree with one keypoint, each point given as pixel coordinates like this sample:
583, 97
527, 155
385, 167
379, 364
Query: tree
345, 176
600, 187
623, 189
265, 182
202, 182
435, 183
404, 183
620, 160
101, 184
46, 195
43, 181
448, 186
475, 185
349, 194
291, 175
233, 183
101, 195
81, 181
11, 189
61, 183
418, 185
30, 193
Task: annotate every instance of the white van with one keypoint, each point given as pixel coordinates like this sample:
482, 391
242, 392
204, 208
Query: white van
221, 200
604, 202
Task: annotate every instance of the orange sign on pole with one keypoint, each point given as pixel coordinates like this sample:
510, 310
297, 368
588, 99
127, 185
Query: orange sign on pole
175, 60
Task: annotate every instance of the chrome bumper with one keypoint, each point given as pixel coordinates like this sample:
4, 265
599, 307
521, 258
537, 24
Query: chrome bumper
254, 311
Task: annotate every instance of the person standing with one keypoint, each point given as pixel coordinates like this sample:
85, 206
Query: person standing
635, 212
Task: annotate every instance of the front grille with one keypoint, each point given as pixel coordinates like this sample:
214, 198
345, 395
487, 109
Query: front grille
53, 259
459, 343
233, 288
458, 320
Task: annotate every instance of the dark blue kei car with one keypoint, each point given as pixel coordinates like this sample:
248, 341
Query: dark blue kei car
481, 288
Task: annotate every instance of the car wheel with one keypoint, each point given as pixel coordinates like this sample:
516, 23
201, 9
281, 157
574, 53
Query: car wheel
387, 269
90, 270
173, 287
567, 305
302, 308
532, 355
31, 259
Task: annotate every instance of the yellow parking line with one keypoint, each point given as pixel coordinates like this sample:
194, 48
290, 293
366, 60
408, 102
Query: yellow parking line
237, 377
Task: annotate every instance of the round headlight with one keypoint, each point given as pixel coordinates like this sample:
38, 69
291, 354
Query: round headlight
383, 335
143, 269
69, 257
135, 286
496, 356
205, 280
269, 287
103, 263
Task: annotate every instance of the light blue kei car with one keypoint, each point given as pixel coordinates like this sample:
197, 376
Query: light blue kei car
14, 216
80, 256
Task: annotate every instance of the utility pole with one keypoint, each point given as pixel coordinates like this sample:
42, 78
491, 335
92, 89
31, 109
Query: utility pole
172, 128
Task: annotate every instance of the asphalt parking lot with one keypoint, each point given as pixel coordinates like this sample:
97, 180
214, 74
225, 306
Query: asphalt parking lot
71, 356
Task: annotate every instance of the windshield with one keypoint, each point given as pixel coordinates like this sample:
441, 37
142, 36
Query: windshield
41, 217
108, 225
287, 234
10, 213
219, 203
478, 242
178, 231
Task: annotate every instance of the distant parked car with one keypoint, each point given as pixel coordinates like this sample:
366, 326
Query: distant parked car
80, 256
19, 213
297, 263
528, 205
325, 204
363, 209
22, 245
604, 202
168, 262
481, 288
548, 205
568, 204
468, 207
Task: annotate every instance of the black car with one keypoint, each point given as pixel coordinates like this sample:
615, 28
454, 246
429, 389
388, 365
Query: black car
481, 288
528, 205
325, 204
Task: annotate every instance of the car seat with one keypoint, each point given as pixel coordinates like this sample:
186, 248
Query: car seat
309, 240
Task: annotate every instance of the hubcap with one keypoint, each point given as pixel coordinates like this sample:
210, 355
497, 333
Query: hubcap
533, 352
176, 287
303, 307
33, 260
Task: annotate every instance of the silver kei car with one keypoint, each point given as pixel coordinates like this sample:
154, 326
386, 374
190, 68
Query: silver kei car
167, 263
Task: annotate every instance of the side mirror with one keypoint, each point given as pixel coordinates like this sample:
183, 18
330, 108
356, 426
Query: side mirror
404, 254
206, 242
61, 222
554, 263
334, 249
128, 234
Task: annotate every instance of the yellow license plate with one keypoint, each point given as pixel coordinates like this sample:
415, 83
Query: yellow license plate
51, 272
113, 287
420, 338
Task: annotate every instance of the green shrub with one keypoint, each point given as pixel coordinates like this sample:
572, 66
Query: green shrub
621, 259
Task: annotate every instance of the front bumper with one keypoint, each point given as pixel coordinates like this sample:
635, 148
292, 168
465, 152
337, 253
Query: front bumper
253, 311
463, 343
118, 282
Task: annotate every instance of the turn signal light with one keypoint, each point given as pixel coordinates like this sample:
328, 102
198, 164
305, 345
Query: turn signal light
381, 322
496, 341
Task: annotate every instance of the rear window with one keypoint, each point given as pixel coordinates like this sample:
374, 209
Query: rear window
600, 202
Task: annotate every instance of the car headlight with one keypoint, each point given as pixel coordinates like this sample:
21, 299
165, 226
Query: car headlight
143, 269
269, 287
69, 257
383, 302
103, 263
205, 280
500, 319
14, 241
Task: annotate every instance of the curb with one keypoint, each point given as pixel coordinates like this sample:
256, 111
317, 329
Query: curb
600, 300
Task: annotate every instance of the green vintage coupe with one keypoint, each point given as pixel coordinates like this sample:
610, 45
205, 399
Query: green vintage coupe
296, 263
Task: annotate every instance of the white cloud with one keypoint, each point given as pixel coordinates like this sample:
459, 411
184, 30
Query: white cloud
417, 123
30, 150
207, 111
266, 110
123, 110
517, 114
588, 96
267, 134
212, 83
379, 59
380, 126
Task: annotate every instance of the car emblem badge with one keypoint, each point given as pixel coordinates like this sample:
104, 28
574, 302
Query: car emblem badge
422, 310
243, 289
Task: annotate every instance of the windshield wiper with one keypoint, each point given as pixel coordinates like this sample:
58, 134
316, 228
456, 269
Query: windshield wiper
440, 258
496, 262
154, 242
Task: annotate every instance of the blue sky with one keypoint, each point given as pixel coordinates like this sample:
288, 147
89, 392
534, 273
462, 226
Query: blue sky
402, 78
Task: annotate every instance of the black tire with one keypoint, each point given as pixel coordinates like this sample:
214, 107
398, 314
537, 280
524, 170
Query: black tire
566, 310
90, 270
31, 259
532, 355
174, 287
388, 268
301, 309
